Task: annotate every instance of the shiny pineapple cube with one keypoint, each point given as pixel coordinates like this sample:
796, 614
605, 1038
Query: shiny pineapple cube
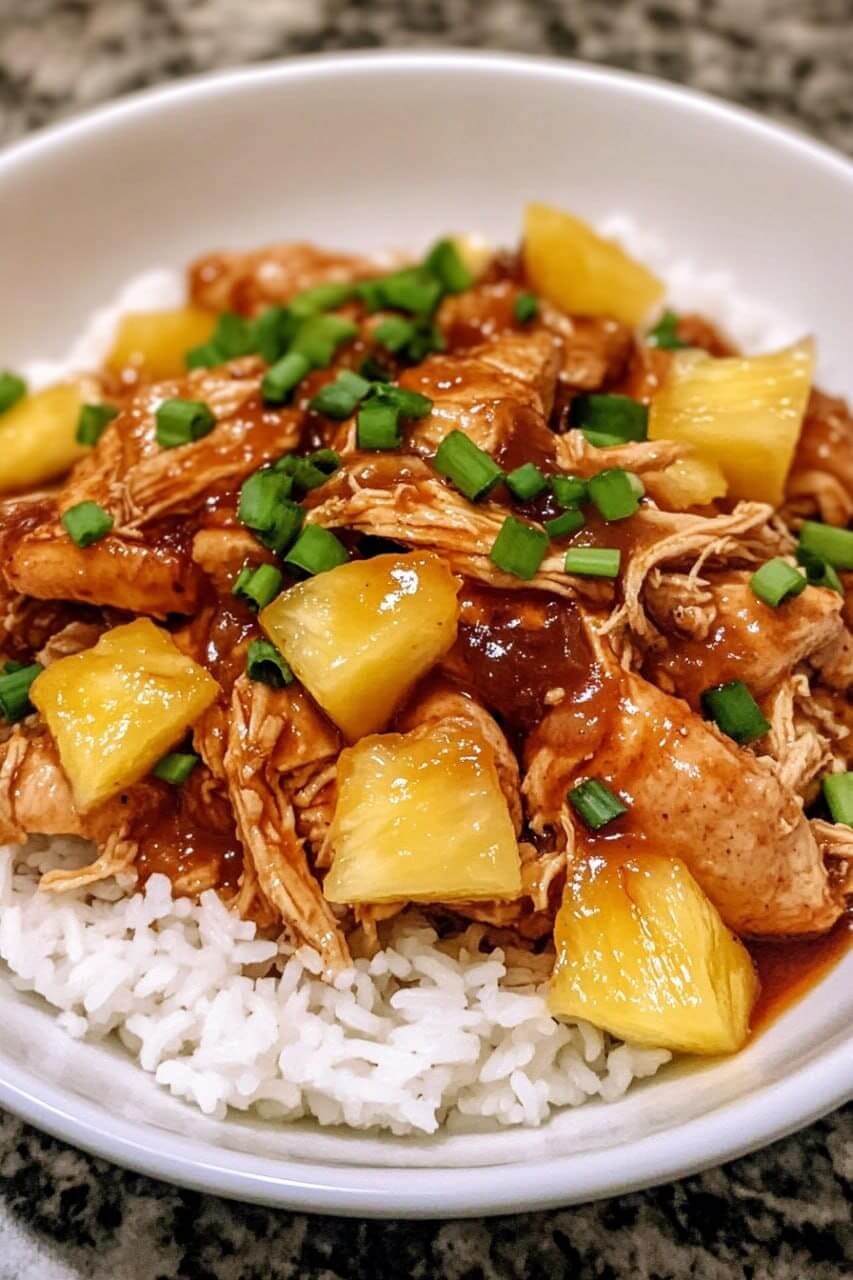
38, 437
154, 344
688, 482
642, 953
583, 273
421, 817
359, 636
114, 710
742, 412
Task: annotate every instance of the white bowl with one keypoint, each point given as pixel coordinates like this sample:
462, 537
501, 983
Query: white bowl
372, 150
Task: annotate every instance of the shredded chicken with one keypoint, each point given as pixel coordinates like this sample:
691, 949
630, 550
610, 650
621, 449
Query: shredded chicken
821, 476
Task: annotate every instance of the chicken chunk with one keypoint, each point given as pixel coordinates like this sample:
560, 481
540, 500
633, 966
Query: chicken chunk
821, 475
246, 282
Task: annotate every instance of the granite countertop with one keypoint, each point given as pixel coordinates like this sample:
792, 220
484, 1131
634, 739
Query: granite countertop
783, 1214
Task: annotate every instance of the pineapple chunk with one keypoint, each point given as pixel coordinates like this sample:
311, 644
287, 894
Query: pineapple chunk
742, 412
359, 636
421, 817
642, 953
115, 709
37, 437
475, 251
689, 482
581, 272
155, 343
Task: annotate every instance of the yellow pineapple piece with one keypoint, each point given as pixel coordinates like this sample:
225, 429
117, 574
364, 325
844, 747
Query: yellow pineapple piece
642, 953
579, 271
360, 635
155, 343
689, 482
475, 251
115, 709
37, 437
421, 816
742, 412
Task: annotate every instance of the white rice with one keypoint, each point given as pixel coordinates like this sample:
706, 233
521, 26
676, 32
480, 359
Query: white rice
424, 1034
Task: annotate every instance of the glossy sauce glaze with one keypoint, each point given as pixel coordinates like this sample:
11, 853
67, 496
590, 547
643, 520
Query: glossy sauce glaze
790, 968
178, 839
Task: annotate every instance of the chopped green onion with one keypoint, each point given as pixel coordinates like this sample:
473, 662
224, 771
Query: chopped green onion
525, 307
323, 297
427, 339
176, 767
15, 692
818, 572
570, 491
205, 356
665, 333
273, 332
326, 460
593, 562
260, 496
378, 425
318, 338
602, 439
304, 471
567, 523
526, 482
833, 545
265, 664
777, 581
519, 549
285, 375
409, 404
619, 417
340, 399
838, 793
11, 666
258, 587
371, 295
614, 493
595, 803
371, 369
12, 389
233, 336
182, 421
414, 289
734, 710
316, 550
287, 522
395, 333
443, 261
93, 421
86, 522
468, 467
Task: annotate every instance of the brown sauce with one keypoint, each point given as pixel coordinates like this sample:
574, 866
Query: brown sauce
177, 839
789, 968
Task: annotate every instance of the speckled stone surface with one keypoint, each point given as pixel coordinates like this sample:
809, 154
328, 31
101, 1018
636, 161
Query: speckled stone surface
783, 1214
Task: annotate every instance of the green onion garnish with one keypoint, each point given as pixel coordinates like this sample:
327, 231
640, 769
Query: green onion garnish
340, 399
260, 495
182, 421
414, 289
233, 336
838, 793
287, 521
305, 473
323, 297
12, 665
205, 356
468, 467
258, 587
318, 338
86, 522
570, 491
12, 389
665, 333
273, 331
409, 404
443, 261
15, 692
618, 417
427, 339
371, 369
326, 460
833, 545
602, 439
265, 664
378, 425
818, 572
279, 382
526, 482
593, 562
395, 333
567, 523
595, 803
92, 422
316, 550
734, 710
776, 581
176, 767
614, 493
525, 307
369, 292
519, 549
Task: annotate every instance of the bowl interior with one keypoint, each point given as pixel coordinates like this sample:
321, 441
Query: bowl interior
379, 151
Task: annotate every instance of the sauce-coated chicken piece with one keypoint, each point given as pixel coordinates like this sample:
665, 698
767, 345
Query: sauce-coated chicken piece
247, 282
821, 476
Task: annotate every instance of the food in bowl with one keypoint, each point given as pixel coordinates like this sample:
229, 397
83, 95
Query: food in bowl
449, 663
